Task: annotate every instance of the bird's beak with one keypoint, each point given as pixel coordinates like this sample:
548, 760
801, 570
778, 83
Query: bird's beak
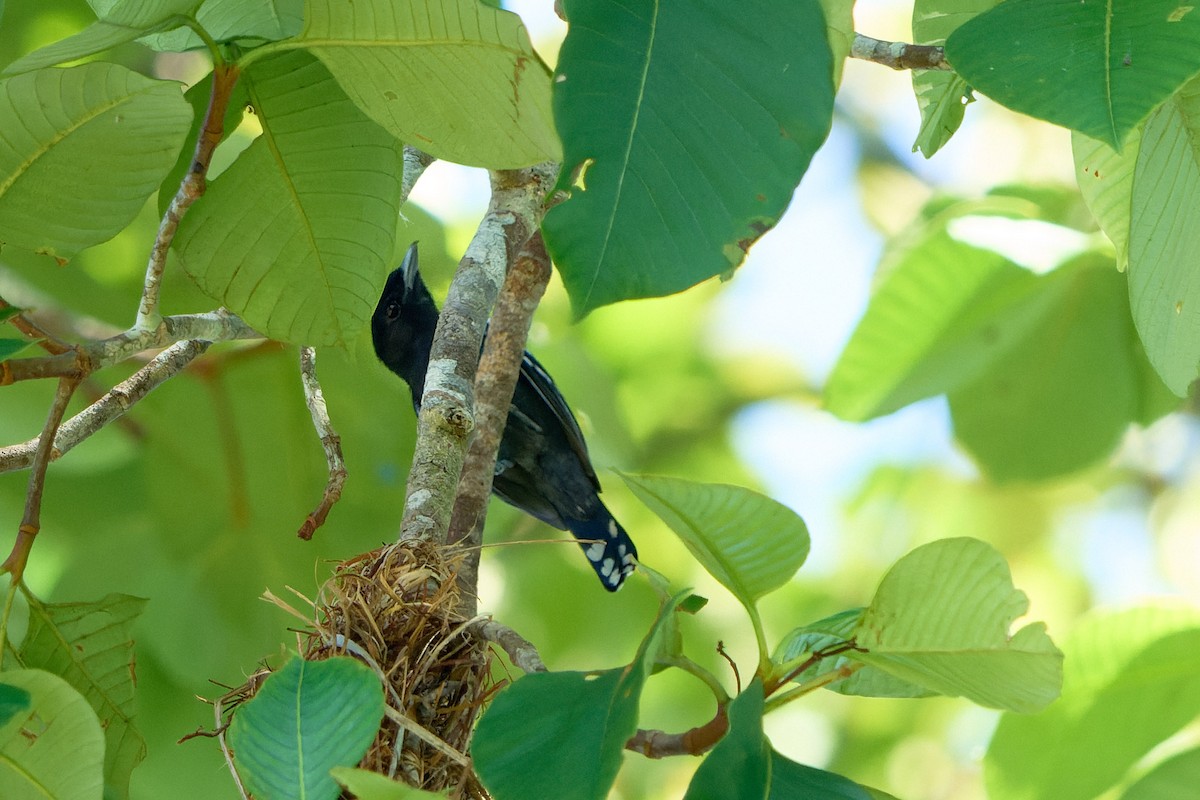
408, 267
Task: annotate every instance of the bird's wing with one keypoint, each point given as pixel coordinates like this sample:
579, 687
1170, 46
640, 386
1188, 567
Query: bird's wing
541, 382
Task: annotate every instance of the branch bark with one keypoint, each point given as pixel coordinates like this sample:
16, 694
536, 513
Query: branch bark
331, 443
899, 55
447, 406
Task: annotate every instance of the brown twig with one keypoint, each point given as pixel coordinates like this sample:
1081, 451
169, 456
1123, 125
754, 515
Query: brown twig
495, 382
34, 331
694, 742
446, 419
331, 443
899, 55
31, 522
225, 77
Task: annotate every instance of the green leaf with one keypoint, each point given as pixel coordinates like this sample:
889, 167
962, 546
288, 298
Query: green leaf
651, 101
839, 30
1129, 684
232, 20
1105, 180
1174, 779
310, 270
941, 619
367, 785
1164, 237
834, 630
942, 96
1094, 67
8, 312
55, 749
940, 319
90, 645
1061, 398
561, 734
120, 22
10, 347
739, 767
750, 543
120, 130
13, 701
306, 719
455, 78
790, 780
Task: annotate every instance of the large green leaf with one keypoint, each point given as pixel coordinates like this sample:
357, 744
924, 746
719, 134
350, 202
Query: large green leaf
942, 96
296, 235
750, 543
457, 79
839, 29
93, 143
941, 619
1094, 67
120, 22
739, 767
90, 645
1105, 179
653, 101
1174, 779
1164, 238
561, 734
306, 719
790, 781
1129, 684
13, 701
940, 319
230, 20
1063, 396
54, 749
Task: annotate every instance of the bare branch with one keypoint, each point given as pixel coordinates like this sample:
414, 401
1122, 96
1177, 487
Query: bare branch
111, 406
520, 651
415, 162
899, 55
446, 418
495, 382
192, 186
331, 443
31, 523
694, 742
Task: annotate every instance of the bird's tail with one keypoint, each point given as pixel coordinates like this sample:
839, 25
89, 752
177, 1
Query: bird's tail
607, 547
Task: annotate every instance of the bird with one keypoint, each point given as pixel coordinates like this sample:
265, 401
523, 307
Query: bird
542, 466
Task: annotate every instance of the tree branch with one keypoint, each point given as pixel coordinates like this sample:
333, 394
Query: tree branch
31, 522
694, 742
899, 55
111, 406
520, 650
446, 419
225, 77
330, 442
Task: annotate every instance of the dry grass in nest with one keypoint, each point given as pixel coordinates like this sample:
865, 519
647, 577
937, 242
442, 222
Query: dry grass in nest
396, 609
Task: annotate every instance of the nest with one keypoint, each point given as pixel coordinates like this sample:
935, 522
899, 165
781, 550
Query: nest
397, 609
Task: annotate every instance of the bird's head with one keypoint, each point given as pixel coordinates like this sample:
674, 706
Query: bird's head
404, 321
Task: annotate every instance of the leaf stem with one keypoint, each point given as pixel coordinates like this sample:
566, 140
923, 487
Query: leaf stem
833, 676
213, 48
8, 604
707, 678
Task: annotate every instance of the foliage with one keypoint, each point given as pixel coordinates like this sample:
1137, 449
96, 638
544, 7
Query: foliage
681, 137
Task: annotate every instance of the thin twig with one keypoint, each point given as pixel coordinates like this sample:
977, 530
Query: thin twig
899, 55
495, 382
331, 443
520, 651
31, 523
34, 331
225, 77
111, 406
415, 162
694, 742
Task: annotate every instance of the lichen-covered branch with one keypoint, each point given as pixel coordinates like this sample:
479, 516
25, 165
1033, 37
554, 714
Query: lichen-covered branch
520, 651
495, 382
899, 55
331, 443
111, 406
415, 162
447, 406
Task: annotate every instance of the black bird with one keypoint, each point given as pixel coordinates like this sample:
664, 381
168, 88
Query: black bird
542, 467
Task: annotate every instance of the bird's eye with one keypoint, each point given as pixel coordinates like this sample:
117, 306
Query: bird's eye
392, 311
